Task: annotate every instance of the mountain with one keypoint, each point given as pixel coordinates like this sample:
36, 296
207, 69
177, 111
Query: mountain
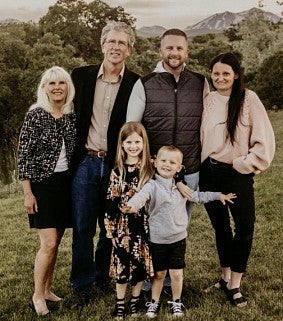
221, 21
9, 20
154, 31
213, 24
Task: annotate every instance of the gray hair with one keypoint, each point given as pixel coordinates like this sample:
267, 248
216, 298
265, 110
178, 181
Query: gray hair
51, 74
118, 26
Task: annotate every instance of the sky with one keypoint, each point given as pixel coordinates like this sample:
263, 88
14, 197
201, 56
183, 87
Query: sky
165, 13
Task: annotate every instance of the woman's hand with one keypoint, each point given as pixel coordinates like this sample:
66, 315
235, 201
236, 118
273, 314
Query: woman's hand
30, 203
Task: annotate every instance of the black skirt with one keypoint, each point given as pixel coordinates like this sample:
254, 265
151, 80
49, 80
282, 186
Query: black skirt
53, 197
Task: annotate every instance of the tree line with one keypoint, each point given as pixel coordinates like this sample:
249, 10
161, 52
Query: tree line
69, 36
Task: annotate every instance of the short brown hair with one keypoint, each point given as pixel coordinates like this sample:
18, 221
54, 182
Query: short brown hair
170, 148
175, 32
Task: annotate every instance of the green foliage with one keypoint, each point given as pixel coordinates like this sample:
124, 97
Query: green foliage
69, 36
259, 38
268, 81
203, 52
21, 66
79, 24
203, 38
13, 60
232, 33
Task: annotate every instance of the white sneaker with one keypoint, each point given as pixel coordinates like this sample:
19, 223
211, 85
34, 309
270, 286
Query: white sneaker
177, 308
152, 308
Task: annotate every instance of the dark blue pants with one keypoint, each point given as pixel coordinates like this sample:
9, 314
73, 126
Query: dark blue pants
233, 246
88, 195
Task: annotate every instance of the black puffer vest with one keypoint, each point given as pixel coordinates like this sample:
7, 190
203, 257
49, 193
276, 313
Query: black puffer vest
173, 113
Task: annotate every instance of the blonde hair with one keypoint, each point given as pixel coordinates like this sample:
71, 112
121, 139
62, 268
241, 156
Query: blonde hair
146, 168
170, 148
51, 74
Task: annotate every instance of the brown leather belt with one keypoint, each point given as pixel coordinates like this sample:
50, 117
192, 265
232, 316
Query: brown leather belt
99, 154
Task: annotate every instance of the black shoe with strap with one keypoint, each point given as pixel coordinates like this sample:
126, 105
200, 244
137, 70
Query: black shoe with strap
237, 302
119, 311
220, 284
135, 305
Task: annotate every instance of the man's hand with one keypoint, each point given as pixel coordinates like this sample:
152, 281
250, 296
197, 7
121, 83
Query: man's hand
184, 190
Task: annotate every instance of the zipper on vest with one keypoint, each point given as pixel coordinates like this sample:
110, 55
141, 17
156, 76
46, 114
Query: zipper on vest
175, 114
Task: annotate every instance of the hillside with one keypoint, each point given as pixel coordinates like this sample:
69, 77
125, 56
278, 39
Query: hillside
216, 23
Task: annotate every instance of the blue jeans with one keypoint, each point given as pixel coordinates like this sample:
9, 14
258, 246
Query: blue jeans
192, 182
88, 194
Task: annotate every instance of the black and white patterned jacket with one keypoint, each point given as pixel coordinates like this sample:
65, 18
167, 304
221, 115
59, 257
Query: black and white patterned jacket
40, 143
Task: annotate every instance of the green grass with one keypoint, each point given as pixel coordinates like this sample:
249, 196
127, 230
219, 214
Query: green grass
262, 283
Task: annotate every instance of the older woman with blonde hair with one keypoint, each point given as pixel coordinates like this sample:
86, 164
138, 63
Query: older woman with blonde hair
46, 144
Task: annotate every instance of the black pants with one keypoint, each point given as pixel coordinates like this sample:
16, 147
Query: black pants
233, 246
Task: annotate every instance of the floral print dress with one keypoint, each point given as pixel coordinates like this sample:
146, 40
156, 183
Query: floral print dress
130, 260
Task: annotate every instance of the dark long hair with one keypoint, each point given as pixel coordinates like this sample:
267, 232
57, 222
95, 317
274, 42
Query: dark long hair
237, 96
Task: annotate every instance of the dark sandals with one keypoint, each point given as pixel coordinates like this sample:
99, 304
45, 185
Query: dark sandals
238, 302
135, 305
218, 285
119, 312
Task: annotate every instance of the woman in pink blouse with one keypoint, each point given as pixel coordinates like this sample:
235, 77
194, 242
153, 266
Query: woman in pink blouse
237, 142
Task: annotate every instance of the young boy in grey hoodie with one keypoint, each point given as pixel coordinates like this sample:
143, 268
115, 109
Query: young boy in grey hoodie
168, 222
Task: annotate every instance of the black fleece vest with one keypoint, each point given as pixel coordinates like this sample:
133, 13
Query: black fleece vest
173, 113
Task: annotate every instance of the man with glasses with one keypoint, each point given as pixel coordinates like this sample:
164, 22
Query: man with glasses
102, 93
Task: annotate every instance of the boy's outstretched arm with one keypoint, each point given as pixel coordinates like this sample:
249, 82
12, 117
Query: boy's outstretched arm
227, 197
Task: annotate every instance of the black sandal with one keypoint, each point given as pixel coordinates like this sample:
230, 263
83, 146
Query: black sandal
119, 312
218, 285
135, 305
238, 302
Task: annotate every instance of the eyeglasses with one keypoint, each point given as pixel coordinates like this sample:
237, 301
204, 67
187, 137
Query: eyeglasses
112, 43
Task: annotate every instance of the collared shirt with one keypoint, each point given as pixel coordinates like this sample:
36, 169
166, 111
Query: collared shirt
104, 99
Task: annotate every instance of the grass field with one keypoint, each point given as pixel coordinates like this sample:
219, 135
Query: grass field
262, 283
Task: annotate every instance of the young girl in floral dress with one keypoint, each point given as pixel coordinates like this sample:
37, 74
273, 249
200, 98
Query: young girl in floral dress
131, 261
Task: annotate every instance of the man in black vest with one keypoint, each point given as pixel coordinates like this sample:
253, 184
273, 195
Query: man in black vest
102, 93
169, 103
